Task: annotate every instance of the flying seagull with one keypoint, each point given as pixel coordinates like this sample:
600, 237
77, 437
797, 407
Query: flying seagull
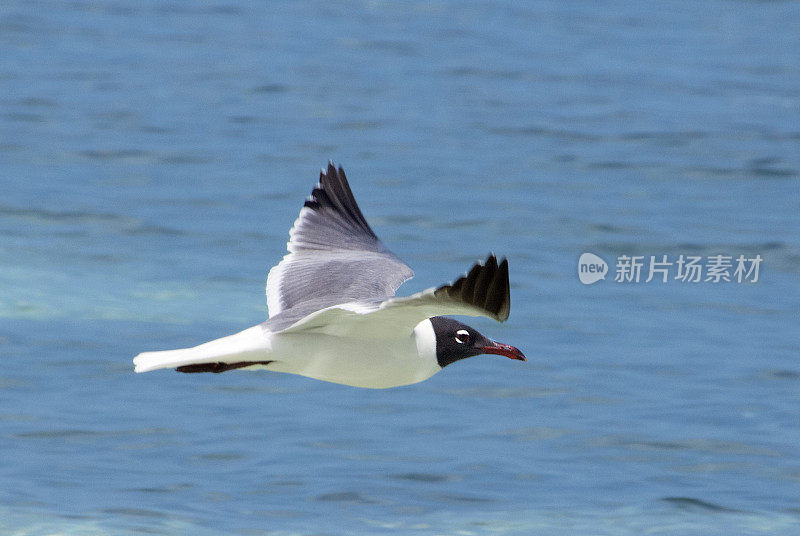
333, 314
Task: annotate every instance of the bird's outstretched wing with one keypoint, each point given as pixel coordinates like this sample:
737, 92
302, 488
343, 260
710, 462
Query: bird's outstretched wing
334, 256
484, 291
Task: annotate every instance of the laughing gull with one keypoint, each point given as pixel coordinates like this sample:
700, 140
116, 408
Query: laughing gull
333, 315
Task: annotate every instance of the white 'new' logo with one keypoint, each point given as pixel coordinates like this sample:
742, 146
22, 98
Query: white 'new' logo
591, 268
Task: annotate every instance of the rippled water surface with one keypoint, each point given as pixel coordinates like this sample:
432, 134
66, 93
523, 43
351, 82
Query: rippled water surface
154, 154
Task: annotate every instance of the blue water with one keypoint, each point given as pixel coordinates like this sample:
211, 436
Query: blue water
154, 154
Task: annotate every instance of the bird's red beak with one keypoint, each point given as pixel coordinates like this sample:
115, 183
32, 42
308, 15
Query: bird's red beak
504, 349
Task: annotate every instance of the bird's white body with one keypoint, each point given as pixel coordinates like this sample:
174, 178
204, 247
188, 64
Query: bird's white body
374, 362
333, 313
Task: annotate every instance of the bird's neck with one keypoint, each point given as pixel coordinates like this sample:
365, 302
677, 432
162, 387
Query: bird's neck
425, 338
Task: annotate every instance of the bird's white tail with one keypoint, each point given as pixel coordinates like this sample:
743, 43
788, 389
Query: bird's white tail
252, 344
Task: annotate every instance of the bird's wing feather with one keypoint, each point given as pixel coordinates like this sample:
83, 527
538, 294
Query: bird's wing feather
334, 256
484, 291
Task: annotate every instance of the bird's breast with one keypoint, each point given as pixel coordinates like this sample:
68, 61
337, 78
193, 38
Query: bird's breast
361, 362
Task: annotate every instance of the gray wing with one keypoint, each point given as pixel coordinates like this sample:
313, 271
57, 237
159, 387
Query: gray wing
484, 291
334, 256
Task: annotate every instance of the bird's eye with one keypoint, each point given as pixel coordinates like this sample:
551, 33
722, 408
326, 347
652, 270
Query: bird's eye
462, 336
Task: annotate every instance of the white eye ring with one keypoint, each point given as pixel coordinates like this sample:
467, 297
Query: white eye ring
462, 336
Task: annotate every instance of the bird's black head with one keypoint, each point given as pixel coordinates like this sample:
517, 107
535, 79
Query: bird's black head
455, 341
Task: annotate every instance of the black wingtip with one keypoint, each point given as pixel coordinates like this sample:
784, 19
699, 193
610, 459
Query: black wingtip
333, 192
485, 286
218, 367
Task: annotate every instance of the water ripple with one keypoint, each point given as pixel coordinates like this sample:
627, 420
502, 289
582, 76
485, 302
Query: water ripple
692, 504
